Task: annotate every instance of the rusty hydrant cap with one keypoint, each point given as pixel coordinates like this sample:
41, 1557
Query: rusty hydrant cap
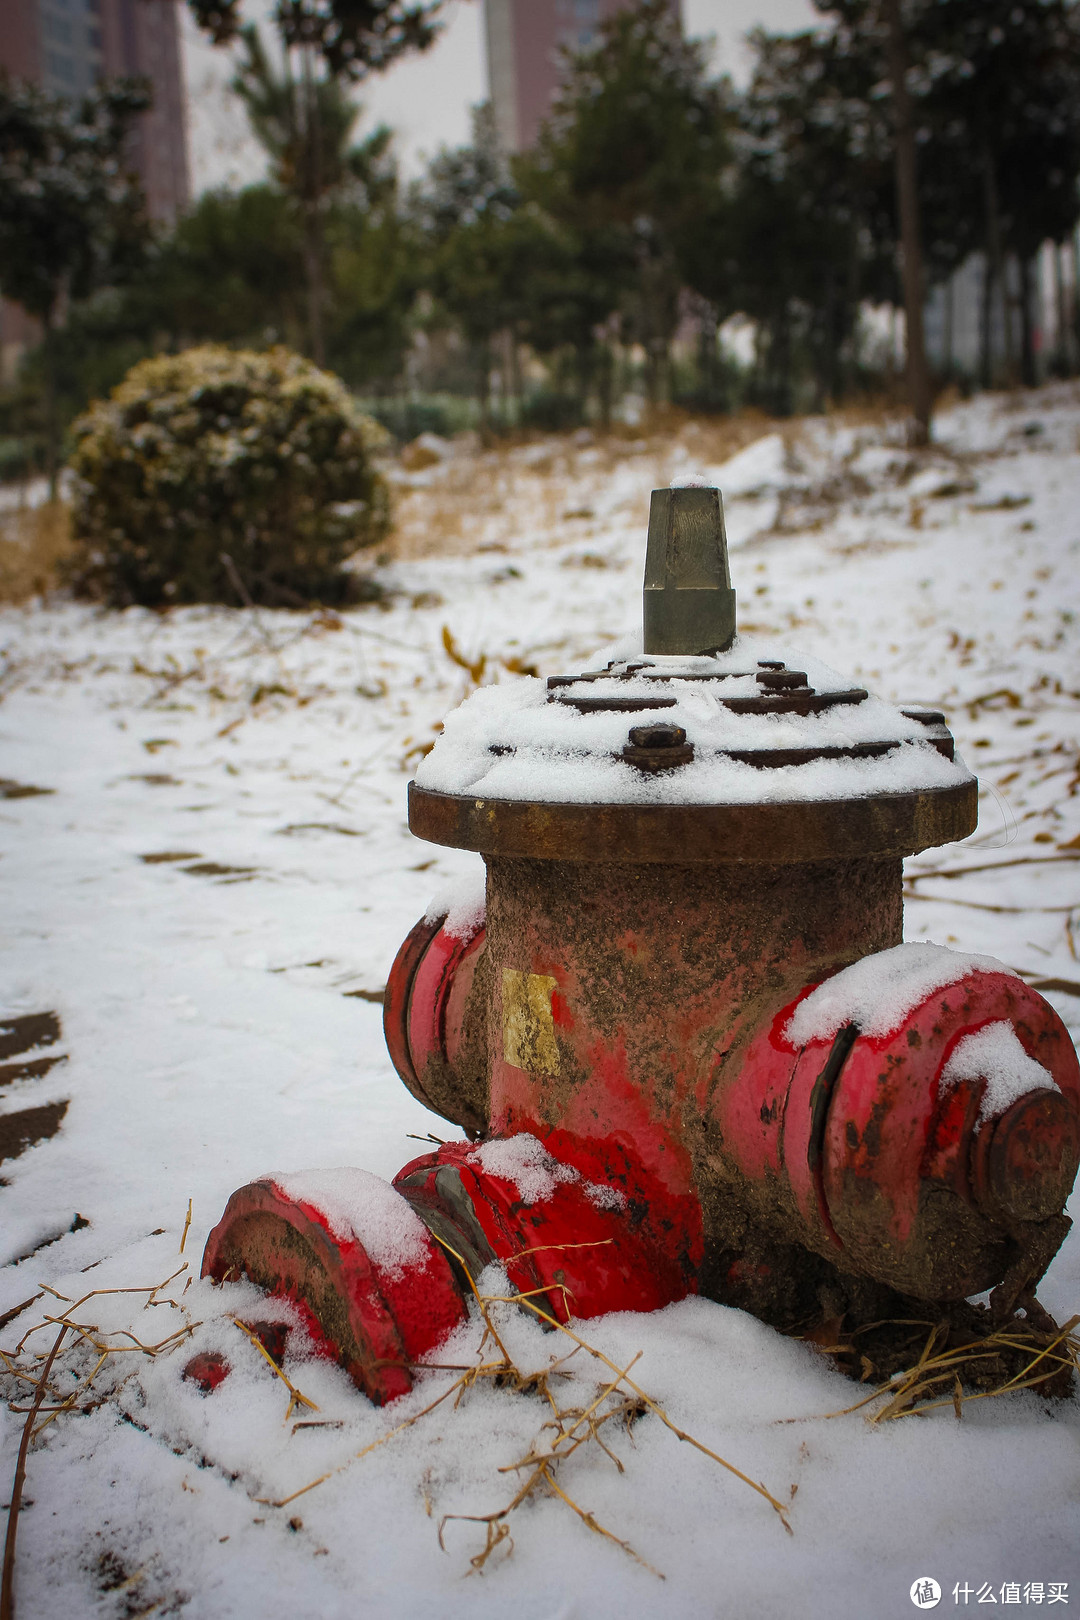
753, 753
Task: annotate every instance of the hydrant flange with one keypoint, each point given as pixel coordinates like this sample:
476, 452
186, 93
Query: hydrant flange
630, 1032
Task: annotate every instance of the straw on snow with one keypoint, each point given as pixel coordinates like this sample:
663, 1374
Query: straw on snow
82, 1333
630, 1402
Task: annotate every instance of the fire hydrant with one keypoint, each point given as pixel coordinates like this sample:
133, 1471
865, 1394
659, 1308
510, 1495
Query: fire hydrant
683, 1038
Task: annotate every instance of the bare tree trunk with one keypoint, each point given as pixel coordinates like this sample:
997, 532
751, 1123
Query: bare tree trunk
850, 354
652, 374
484, 387
781, 382
52, 426
706, 361
920, 395
1027, 325
821, 334
314, 245
986, 325
584, 367
516, 386
996, 260
1062, 344
314, 278
606, 383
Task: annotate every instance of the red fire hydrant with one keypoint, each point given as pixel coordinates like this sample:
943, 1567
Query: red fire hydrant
688, 1050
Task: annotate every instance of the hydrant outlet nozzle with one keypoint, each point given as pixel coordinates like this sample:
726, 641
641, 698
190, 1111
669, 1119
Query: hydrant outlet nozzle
650, 1030
689, 605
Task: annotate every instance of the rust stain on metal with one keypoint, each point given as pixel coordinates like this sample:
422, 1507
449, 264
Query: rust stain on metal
707, 834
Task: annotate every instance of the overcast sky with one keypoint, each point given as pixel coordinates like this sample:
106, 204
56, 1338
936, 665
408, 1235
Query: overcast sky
426, 99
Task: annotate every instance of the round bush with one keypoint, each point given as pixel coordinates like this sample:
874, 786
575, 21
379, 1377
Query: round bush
215, 454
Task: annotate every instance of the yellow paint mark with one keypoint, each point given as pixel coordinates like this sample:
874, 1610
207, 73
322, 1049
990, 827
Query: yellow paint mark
528, 1026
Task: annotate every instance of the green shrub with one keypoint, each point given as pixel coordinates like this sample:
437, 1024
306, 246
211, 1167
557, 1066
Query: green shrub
215, 453
16, 459
406, 419
552, 412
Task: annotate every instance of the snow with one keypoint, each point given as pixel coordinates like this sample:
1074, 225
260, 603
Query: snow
461, 903
878, 992
216, 1022
526, 1164
435, 445
994, 1054
553, 774
605, 1196
358, 1204
761, 467
529, 1167
511, 742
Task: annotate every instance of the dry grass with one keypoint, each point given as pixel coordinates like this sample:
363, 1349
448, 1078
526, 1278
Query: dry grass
29, 1371
917, 1366
617, 1401
589, 1400
482, 496
34, 544
296, 1399
586, 1408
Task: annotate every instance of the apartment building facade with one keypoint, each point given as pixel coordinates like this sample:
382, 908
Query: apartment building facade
525, 39
66, 46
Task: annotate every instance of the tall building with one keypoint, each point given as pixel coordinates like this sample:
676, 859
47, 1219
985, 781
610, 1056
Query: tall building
524, 41
67, 45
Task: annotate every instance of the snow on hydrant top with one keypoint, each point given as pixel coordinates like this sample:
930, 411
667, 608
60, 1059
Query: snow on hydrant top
698, 715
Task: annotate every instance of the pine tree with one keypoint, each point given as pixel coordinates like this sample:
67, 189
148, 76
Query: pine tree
304, 122
72, 216
630, 161
355, 38
1005, 87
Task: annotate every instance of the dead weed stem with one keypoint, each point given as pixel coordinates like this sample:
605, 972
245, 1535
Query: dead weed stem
953, 1368
619, 1401
35, 1368
35, 541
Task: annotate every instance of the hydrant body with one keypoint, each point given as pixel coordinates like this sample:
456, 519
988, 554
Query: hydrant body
682, 1035
643, 1031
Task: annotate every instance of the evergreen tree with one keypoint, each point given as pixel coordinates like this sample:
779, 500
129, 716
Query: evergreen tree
985, 98
808, 233
629, 163
305, 125
880, 39
479, 243
1005, 92
72, 216
231, 271
355, 38
303, 117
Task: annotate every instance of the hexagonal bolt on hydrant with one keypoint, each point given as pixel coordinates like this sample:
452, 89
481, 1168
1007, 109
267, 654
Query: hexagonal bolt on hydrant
684, 1041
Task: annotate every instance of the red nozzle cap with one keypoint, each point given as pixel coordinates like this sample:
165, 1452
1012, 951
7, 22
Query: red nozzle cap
1023, 1165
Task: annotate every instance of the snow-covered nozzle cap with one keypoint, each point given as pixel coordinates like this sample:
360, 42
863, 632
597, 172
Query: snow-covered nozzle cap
689, 605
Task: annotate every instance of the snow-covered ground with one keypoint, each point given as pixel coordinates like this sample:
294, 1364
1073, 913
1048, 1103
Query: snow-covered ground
223, 860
